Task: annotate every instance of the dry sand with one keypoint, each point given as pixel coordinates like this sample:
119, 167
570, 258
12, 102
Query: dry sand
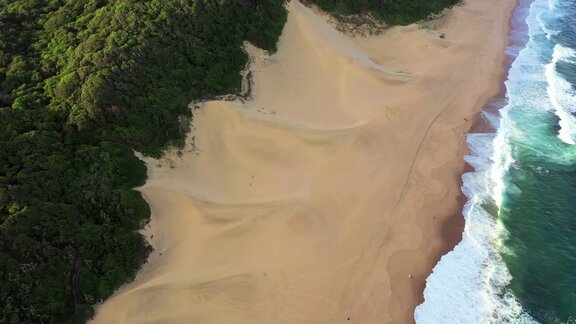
317, 200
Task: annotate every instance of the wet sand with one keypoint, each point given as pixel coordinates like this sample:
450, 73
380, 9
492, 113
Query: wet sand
330, 195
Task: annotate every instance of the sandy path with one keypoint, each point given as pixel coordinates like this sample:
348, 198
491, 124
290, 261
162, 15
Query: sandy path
315, 201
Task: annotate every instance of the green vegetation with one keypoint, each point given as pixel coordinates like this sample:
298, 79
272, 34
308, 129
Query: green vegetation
393, 12
82, 83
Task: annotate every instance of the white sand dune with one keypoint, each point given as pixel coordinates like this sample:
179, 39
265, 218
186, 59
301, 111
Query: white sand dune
315, 201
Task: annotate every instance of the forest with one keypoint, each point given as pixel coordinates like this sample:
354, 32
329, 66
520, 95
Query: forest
393, 12
84, 84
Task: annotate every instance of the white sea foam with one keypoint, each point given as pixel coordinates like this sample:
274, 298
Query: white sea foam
468, 285
561, 94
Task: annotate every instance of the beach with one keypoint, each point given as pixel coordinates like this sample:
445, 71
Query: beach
331, 193
514, 262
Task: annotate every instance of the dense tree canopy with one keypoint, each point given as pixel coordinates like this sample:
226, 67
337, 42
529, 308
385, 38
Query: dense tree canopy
82, 83
394, 12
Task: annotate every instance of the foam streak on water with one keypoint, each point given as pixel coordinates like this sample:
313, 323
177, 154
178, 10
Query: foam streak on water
561, 94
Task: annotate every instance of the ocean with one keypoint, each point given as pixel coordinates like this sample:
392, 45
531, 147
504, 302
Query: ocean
516, 262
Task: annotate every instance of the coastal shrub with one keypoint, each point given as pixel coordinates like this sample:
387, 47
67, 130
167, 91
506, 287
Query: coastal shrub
393, 12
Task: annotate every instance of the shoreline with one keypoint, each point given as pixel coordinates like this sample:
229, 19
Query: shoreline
301, 204
454, 227
465, 266
478, 124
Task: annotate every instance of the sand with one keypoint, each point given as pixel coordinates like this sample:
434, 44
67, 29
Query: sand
329, 196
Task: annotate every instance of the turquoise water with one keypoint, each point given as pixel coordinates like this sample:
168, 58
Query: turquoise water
539, 204
517, 259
